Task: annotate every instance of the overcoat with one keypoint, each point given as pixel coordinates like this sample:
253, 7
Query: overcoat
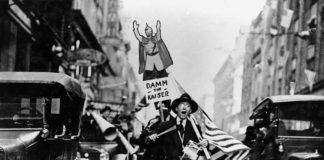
171, 143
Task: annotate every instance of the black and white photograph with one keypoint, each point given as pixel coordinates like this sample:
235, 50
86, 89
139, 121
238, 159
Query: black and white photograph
161, 80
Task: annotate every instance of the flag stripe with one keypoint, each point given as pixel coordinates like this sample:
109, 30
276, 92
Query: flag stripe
244, 154
221, 145
237, 155
227, 145
223, 157
218, 155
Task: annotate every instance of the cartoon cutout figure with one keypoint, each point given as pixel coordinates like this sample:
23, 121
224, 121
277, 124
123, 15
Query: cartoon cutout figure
154, 56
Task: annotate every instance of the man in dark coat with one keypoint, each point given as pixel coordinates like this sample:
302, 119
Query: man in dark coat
154, 56
153, 151
250, 136
175, 140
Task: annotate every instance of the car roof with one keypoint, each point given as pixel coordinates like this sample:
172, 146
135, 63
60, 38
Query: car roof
287, 98
32, 77
70, 84
294, 98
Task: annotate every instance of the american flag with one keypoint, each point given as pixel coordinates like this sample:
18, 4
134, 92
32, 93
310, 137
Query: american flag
221, 145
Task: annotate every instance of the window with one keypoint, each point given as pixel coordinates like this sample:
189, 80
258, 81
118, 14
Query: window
312, 2
312, 36
280, 73
300, 118
292, 77
279, 86
21, 112
293, 64
281, 57
311, 64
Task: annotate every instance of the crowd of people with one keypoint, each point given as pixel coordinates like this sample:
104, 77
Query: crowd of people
166, 136
163, 138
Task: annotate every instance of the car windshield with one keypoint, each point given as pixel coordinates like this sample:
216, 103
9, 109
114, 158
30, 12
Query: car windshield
301, 119
21, 112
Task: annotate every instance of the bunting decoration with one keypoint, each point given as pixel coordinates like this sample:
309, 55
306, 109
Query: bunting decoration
310, 77
287, 15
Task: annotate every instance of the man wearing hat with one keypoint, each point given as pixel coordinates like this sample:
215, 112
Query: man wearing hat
174, 141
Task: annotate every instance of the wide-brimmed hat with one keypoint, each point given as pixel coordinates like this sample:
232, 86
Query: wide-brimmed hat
184, 98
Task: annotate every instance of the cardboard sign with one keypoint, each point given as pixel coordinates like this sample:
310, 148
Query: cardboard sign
157, 90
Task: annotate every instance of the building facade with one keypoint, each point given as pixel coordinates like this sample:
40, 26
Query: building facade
284, 52
228, 88
223, 93
29, 31
80, 38
120, 85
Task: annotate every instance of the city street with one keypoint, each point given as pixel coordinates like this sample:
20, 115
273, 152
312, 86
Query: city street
161, 80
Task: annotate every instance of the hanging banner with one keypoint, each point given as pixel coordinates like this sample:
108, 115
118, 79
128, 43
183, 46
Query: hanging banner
286, 17
310, 77
157, 90
292, 88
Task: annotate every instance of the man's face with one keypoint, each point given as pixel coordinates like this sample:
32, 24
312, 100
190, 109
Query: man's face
106, 114
112, 115
109, 115
148, 32
183, 110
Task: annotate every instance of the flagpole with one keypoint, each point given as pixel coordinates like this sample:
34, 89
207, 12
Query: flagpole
205, 113
161, 111
199, 136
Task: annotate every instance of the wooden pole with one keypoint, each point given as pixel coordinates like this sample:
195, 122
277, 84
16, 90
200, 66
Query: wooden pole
199, 136
161, 111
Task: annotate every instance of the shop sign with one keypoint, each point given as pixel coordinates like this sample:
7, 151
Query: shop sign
92, 55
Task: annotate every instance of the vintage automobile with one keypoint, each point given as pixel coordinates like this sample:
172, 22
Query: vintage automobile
39, 116
293, 126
